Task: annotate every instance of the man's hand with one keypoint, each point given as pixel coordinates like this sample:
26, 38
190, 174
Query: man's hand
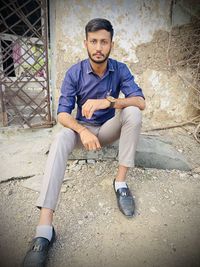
91, 105
89, 140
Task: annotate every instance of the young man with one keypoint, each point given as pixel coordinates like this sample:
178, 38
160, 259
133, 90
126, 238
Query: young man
95, 83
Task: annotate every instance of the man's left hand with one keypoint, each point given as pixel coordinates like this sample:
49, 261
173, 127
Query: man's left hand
91, 105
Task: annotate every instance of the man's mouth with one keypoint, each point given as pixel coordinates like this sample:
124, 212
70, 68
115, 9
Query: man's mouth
98, 55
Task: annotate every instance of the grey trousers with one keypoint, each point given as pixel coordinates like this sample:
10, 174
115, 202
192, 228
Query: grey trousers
125, 126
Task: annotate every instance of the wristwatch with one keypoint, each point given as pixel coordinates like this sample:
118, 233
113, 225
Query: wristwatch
112, 100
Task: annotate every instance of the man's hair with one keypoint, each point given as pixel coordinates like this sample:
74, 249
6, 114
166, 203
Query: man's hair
99, 24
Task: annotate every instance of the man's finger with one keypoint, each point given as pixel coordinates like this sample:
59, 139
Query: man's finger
90, 147
84, 109
98, 146
85, 145
90, 113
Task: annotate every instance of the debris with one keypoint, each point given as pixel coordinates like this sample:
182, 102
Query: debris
153, 209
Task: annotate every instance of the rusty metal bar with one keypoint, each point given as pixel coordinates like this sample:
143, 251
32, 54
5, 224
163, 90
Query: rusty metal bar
34, 106
46, 49
21, 15
4, 114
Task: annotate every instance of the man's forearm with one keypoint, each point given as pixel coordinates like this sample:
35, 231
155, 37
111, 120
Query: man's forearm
88, 139
68, 121
136, 101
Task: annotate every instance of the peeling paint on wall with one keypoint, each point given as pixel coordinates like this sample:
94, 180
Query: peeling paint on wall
166, 95
141, 40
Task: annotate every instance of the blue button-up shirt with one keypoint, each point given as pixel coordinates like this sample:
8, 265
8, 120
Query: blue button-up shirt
81, 83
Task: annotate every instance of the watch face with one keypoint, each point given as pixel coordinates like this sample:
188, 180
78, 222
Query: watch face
111, 99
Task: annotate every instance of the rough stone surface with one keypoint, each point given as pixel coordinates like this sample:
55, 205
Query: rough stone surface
108, 152
15, 162
90, 229
34, 183
151, 153
145, 49
155, 153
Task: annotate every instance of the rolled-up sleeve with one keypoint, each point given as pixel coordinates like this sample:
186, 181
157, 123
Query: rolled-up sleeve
68, 94
127, 83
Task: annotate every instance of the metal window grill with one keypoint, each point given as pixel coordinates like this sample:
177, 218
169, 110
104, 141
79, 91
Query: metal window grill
24, 79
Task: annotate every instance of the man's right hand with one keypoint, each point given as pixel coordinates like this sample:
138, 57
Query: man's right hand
89, 140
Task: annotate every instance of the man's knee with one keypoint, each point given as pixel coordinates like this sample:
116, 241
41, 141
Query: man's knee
65, 136
132, 115
65, 132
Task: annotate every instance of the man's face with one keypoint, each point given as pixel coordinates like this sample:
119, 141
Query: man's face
98, 46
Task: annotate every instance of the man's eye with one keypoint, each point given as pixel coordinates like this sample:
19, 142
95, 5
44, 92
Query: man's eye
104, 42
93, 42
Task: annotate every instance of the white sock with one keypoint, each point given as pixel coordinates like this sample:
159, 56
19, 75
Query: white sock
45, 231
120, 185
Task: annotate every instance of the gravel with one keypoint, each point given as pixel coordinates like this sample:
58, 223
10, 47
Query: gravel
90, 229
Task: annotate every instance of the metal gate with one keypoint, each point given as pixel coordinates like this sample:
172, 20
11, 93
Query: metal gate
24, 74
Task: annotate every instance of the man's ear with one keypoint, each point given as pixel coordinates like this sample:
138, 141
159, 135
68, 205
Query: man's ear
85, 43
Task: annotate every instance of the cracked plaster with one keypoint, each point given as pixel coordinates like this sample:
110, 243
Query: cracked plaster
141, 39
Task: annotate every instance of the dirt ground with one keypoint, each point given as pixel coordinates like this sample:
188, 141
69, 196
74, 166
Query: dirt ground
91, 232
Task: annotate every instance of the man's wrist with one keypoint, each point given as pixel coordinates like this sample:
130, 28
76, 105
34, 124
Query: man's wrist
112, 101
107, 102
79, 131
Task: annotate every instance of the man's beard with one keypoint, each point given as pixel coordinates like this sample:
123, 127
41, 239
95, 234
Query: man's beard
105, 57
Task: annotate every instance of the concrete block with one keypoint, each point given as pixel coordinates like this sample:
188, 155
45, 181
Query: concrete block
155, 153
151, 153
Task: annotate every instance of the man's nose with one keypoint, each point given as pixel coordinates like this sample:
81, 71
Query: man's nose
99, 46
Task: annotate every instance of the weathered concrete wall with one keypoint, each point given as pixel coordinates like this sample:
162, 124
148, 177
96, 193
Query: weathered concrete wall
1, 116
141, 39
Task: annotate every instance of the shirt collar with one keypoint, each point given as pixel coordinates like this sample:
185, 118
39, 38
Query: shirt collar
89, 68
